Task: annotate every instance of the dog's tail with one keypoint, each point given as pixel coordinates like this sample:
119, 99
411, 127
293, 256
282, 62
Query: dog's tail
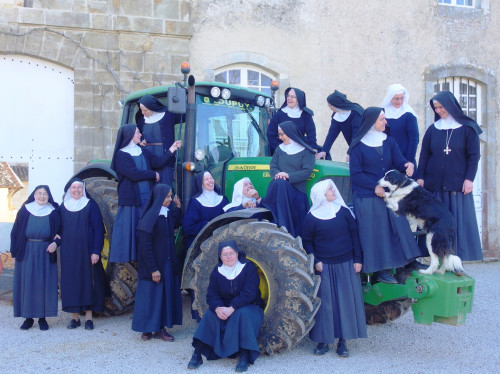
454, 264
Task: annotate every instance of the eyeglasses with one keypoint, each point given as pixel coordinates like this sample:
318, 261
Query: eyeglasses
42, 194
291, 97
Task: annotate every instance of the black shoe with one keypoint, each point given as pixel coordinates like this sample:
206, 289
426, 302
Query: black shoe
342, 350
27, 324
195, 361
243, 363
74, 324
415, 265
42, 322
89, 325
321, 349
385, 277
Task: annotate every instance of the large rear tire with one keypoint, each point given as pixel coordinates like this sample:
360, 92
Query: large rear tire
387, 311
288, 283
122, 277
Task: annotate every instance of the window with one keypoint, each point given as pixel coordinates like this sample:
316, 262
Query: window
246, 76
463, 3
467, 92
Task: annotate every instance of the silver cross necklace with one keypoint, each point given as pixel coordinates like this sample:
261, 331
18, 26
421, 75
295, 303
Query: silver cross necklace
447, 150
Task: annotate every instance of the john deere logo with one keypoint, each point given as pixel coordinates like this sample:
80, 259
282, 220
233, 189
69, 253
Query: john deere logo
247, 167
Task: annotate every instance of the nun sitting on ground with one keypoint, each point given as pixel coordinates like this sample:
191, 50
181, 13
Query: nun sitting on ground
244, 196
292, 164
234, 316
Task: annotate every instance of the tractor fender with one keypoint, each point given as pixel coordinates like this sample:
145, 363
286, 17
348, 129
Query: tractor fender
96, 169
224, 219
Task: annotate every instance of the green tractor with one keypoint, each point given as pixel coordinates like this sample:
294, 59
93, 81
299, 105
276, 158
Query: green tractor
223, 131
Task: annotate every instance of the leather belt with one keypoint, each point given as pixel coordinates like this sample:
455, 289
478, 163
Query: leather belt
154, 143
37, 240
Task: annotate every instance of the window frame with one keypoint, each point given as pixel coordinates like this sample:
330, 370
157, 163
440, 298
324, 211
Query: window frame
454, 3
243, 69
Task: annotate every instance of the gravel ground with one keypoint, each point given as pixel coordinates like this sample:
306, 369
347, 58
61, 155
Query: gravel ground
402, 346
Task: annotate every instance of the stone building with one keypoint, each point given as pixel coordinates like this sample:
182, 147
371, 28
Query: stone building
108, 48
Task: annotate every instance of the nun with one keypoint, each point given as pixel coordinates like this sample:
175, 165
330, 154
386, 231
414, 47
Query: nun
448, 164
157, 127
204, 206
401, 120
83, 281
330, 233
244, 196
133, 166
346, 118
386, 240
294, 109
158, 301
232, 322
33, 244
291, 165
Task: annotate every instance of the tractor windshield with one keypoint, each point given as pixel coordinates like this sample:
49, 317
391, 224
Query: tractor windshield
229, 128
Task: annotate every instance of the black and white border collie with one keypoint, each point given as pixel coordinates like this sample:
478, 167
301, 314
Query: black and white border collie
422, 208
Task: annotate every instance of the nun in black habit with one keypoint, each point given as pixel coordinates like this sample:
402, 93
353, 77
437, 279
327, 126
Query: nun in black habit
386, 240
448, 164
158, 301
232, 322
346, 118
294, 109
291, 165
133, 166
157, 127
83, 281
33, 244
331, 234
205, 205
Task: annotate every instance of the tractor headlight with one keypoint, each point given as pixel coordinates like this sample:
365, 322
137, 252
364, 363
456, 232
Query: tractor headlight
199, 154
260, 100
268, 102
215, 92
226, 94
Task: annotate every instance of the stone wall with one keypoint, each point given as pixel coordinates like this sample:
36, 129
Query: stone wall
114, 47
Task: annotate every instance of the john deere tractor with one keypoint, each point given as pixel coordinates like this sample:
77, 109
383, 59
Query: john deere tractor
223, 130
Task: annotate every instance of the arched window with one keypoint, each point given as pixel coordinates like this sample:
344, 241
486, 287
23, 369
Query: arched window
246, 76
467, 91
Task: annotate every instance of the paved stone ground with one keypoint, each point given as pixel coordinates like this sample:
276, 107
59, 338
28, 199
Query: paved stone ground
401, 346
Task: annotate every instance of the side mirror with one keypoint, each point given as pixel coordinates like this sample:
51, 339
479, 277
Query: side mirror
177, 100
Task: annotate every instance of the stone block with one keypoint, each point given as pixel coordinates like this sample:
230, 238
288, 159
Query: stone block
79, 6
177, 28
137, 8
30, 15
83, 136
83, 117
9, 15
185, 10
131, 63
108, 41
50, 46
84, 154
84, 76
169, 9
67, 52
139, 24
162, 45
83, 100
33, 43
67, 19
135, 43
101, 21
98, 6
106, 60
